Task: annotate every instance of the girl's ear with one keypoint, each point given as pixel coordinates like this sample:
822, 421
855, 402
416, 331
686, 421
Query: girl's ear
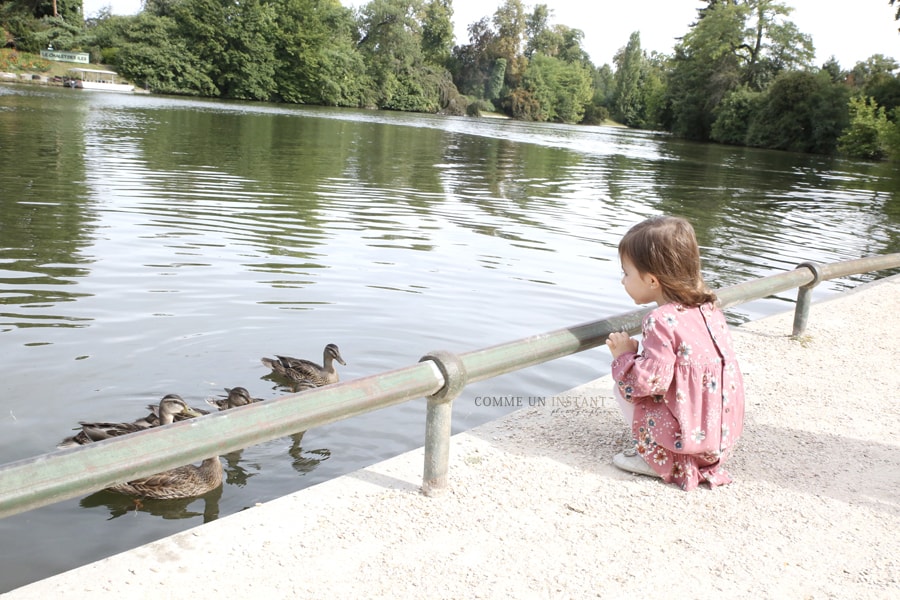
651, 280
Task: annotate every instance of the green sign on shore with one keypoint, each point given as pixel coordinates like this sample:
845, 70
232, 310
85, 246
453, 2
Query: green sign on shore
76, 57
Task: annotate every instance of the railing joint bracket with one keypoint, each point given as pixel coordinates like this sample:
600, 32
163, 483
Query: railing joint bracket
453, 369
816, 271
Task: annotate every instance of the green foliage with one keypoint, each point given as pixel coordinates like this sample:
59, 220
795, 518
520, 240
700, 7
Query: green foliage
540, 37
472, 64
705, 70
595, 114
604, 81
523, 105
802, 112
653, 90
11, 60
627, 99
509, 43
872, 71
237, 42
875, 77
555, 91
437, 32
476, 106
151, 53
55, 31
317, 59
772, 44
533, 70
391, 47
735, 44
833, 69
866, 137
734, 116
495, 82
891, 135
886, 93
741, 75
31, 26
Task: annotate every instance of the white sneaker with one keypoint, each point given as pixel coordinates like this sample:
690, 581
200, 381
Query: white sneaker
633, 463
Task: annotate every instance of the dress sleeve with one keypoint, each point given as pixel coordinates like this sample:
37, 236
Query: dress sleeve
650, 372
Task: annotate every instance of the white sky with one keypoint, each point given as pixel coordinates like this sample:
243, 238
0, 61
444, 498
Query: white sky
851, 30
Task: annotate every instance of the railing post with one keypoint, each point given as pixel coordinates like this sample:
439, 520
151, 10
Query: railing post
804, 298
438, 421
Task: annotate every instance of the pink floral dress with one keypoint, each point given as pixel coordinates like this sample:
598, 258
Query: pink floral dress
688, 394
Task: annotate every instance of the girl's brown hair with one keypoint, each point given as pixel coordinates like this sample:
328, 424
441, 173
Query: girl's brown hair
666, 247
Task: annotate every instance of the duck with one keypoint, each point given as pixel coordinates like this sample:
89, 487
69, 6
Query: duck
236, 396
307, 373
172, 407
187, 481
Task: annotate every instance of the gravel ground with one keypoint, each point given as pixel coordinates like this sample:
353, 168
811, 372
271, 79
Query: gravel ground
536, 509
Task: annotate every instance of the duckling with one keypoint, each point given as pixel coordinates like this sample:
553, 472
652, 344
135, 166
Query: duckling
170, 408
237, 396
181, 482
305, 372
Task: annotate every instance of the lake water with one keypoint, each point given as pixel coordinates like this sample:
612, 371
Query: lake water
151, 245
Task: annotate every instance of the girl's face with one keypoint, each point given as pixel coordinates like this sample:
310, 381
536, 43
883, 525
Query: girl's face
642, 287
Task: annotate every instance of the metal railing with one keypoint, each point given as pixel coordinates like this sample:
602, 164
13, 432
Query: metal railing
439, 376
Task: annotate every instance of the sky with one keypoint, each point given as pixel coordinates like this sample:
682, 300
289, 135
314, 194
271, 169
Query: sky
849, 30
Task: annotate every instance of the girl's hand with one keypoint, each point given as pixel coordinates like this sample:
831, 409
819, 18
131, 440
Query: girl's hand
619, 343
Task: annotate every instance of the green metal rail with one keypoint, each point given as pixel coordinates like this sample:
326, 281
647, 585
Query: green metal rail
439, 376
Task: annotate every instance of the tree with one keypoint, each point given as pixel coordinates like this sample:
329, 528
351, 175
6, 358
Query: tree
148, 50
872, 71
495, 82
437, 32
317, 58
32, 25
472, 64
235, 42
833, 68
735, 114
868, 130
540, 37
734, 43
705, 70
653, 87
627, 99
391, 46
509, 42
603, 84
553, 91
772, 45
572, 49
801, 112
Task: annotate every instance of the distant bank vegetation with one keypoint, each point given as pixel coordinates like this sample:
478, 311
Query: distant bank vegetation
742, 73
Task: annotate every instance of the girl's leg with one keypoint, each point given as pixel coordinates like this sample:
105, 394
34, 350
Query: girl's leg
629, 460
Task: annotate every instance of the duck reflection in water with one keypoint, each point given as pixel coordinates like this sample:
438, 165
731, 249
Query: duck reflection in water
180, 508
303, 461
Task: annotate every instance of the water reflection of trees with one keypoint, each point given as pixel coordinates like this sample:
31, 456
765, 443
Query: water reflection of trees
46, 223
747, 204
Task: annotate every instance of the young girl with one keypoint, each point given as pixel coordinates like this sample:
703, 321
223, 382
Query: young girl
683, 394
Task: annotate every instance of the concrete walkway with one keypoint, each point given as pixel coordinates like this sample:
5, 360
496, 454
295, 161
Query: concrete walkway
536, 509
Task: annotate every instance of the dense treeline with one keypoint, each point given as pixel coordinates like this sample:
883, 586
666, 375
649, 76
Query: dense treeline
742, 74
